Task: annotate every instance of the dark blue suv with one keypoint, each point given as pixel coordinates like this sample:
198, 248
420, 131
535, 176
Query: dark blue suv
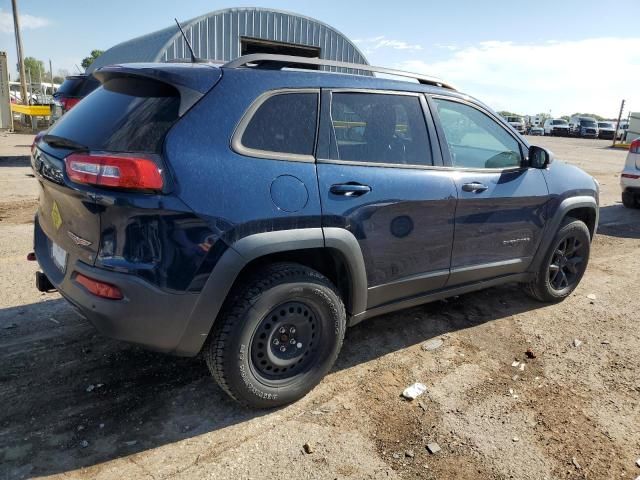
252, 212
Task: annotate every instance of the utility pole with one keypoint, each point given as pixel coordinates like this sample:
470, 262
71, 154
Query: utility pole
16, 29
615, 134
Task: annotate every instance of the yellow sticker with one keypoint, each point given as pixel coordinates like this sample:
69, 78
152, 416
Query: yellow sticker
55, 215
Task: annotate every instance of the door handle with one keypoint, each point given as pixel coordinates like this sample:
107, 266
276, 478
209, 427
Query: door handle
476, 187
349, 189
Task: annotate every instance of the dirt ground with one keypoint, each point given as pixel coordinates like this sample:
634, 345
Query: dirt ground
573, 412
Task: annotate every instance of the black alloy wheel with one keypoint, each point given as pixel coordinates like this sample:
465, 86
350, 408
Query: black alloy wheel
567, 263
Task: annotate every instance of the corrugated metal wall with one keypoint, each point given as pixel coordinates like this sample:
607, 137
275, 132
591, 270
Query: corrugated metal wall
217, 35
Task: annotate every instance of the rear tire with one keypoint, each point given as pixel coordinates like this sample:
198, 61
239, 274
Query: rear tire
564, 263
278, 337
630, 200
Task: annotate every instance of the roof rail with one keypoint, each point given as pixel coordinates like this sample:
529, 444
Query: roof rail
283, 61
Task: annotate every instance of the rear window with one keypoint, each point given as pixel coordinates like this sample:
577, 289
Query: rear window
559, 122
70, 86
124, 115
284, 123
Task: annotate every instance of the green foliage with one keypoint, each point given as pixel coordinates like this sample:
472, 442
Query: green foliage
505, 114
89, 60
597, 117
35, 68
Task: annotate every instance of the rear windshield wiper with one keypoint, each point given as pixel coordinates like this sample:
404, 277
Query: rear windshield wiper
62, 142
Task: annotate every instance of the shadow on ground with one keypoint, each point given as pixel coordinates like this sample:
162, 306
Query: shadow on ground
618, 221
15, 161
63, 384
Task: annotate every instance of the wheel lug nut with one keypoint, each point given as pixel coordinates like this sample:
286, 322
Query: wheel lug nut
282, 330
283, 348
276, 341
292, 341
292, 330
299, 345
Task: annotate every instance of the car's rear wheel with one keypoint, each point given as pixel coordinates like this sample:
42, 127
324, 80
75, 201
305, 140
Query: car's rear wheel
564, 263
630, 200
278, 337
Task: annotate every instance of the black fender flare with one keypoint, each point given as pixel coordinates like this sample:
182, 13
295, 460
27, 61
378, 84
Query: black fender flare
251, 247
553, 224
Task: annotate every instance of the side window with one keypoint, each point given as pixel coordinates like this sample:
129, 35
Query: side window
476, 140
379, 128
284, 123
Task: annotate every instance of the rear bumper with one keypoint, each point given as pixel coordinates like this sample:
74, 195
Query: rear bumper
146, 315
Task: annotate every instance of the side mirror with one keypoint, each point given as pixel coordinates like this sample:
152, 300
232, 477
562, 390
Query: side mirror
540, 157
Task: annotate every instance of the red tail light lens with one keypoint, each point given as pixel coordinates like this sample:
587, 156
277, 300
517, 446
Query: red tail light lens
68, 103
635, 146
99, 289
118, 171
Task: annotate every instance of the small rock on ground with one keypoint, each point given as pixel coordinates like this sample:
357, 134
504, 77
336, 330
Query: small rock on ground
308, 449
433, 448
576, 342
432, 344
414, 391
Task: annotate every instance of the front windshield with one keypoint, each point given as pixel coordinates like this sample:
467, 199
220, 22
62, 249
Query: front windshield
514, 119
587, 123
605, 125
559, 122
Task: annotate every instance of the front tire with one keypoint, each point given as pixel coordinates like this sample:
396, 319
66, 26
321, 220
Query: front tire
278, 337
564, 263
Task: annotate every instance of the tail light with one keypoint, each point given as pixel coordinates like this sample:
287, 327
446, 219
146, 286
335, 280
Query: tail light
114, 170
67, 103
635, 146
98, 288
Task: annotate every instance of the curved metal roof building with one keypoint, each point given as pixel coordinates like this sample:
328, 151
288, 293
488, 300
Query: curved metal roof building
228, 34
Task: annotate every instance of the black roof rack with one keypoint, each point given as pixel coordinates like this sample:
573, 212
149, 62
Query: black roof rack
271, 61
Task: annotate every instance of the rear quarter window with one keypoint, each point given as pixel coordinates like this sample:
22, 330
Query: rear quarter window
124, 115
283, 124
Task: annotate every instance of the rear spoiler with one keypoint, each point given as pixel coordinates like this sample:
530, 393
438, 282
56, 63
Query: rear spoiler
192, 81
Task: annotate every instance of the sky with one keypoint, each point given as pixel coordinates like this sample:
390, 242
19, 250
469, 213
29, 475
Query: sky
542, 56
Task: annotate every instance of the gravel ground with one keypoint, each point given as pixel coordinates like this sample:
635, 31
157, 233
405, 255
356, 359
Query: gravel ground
77, 405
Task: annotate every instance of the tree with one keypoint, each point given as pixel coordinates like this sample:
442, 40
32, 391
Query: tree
543, 117
593, 115
86, 61
505, 114
35, 68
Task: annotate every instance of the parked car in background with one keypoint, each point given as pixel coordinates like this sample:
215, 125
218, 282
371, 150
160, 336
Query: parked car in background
584, 127
622, 130
312, 205
535, 130
73, 89
606, 130
517, 123
556, 127
630, 177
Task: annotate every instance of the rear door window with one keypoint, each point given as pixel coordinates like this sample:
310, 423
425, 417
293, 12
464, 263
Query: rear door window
283, 124
379, 128
124, 115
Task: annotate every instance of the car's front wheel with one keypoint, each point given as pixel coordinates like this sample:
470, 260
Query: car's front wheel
564, 263
278, 337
